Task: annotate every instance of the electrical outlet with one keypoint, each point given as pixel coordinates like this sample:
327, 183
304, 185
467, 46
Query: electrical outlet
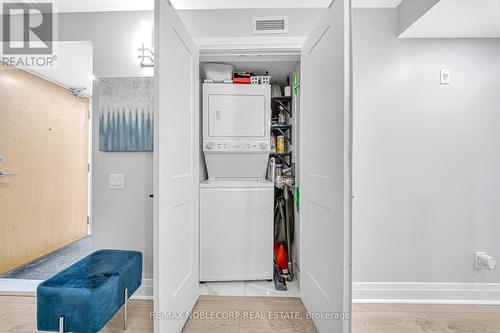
445, 77
116, 181
484, 261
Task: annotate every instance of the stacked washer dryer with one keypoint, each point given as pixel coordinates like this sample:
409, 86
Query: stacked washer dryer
236, 202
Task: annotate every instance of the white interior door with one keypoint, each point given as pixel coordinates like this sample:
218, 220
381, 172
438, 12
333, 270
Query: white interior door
175, 169
325, 130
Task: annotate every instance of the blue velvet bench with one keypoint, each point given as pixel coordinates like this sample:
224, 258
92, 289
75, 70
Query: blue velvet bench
86, 295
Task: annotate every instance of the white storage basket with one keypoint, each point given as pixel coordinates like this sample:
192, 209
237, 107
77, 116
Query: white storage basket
218, 72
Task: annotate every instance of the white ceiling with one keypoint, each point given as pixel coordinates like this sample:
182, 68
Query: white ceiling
240, 4
70, 6
376, 3
73, 6
458, 19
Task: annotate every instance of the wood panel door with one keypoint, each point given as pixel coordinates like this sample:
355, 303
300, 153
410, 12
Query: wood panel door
44, 139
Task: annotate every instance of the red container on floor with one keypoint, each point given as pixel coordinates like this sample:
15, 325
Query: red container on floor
281, 257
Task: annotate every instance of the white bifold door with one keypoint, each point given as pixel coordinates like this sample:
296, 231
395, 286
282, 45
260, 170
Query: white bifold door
325, 171
176, 170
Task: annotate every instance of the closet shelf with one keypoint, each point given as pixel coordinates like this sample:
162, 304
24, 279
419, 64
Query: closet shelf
281, 126
285, 102
283, 129
283, 98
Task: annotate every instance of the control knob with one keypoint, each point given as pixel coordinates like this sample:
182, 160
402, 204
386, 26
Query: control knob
263, 146
210, 145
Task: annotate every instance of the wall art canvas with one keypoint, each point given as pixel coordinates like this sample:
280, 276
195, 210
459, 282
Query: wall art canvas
126, 114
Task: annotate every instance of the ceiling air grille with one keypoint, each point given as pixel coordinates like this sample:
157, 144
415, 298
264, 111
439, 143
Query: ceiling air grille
270, 25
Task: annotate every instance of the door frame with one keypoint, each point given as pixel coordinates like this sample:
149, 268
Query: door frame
230, 49
288, 46
348, 162
292, 47
226, 47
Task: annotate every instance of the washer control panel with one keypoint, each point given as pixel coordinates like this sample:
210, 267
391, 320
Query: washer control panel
236, 146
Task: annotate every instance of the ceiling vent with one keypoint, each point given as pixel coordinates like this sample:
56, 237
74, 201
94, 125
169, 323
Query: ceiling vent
270, 25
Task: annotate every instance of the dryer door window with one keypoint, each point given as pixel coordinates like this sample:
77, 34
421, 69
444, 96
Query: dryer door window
237, 116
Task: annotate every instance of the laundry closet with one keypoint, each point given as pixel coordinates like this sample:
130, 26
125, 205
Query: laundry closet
248, 186
236, 164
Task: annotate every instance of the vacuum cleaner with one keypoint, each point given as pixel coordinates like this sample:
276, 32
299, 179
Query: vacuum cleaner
283, 219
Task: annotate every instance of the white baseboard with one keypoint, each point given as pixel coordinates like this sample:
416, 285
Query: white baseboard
145, 291
426, 293
363, 292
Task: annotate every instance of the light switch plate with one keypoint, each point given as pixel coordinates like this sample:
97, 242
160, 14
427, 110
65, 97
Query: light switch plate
117, 181
445, 76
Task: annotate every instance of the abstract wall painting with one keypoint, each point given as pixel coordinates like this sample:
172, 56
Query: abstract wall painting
126, 114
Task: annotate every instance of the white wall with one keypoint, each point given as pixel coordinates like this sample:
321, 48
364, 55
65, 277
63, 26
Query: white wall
71, 65
120, 219
238, 22
426, 156
115, 37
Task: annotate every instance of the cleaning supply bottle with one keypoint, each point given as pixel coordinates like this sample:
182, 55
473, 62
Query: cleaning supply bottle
278, 170
288, 88
281, 116
280, 144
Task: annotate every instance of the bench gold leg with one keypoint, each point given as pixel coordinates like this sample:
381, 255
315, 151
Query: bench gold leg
125, 311
61, 324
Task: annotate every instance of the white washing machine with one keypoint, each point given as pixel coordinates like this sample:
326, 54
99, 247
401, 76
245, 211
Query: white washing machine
236, 228
236, 202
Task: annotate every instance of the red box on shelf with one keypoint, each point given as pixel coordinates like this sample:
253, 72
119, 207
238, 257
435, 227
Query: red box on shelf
242, 80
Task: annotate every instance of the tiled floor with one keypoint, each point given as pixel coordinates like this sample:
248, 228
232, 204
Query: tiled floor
18, 286
249, 288
51, 264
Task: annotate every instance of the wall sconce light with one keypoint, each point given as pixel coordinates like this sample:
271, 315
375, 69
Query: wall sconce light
146, 53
